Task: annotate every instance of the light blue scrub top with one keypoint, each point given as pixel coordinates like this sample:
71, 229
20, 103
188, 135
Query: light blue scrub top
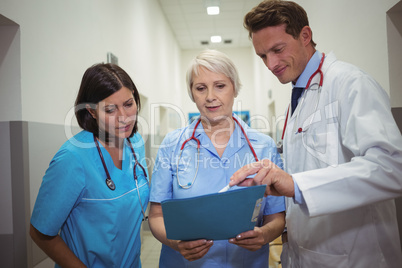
214, 173
101, 226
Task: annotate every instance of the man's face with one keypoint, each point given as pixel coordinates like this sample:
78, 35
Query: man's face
285, 56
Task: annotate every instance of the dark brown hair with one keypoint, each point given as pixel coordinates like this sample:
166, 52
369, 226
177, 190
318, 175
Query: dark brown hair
99, 82
274, 13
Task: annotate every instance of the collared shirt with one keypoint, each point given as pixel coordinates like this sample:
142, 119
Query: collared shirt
311, 67
213, 174
302, 81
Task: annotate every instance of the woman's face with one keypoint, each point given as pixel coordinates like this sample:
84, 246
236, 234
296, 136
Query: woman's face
214, 95
116, 114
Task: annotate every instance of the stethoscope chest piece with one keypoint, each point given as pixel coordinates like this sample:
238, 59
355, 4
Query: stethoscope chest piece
110, 184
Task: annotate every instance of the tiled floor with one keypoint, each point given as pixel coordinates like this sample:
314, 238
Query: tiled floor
150, 250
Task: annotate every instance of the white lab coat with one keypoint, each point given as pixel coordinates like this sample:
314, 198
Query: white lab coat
348, 166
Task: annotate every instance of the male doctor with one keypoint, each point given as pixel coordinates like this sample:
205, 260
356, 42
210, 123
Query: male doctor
342, 150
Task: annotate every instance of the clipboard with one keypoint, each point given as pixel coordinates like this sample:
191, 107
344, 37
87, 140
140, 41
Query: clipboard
218, 216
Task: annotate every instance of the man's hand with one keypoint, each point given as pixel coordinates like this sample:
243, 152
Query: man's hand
278, 182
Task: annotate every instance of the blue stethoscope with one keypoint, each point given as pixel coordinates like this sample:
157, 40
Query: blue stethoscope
300, 129
188, 185
109, 181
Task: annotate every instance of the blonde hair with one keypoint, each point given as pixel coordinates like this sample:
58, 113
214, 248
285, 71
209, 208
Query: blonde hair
217, 62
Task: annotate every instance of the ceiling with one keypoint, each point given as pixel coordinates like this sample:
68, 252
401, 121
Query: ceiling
191, 24
6, 22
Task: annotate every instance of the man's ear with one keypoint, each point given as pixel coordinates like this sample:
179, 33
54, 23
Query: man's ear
90, 110
306, 35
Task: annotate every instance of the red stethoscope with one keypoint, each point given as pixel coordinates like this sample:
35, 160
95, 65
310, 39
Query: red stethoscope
187, 186
109, 181
318, 71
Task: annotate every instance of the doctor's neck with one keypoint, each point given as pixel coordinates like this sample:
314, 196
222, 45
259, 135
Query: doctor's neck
112, 142
219, 129
310, 50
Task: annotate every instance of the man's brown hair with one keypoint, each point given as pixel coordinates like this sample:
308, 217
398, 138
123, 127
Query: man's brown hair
277, 12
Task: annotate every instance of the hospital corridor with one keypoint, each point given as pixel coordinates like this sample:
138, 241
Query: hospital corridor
52, 51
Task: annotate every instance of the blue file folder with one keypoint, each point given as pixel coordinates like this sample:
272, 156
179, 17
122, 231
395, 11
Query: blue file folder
217, 216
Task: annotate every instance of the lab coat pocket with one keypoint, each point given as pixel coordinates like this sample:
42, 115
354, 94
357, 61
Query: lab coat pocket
320, 135
321, 144
310, 258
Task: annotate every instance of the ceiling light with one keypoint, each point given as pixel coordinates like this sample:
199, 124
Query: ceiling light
212, 6
213, 10
216, 39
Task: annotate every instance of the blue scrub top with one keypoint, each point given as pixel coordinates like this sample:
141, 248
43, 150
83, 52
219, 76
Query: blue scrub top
214, 173
101, 226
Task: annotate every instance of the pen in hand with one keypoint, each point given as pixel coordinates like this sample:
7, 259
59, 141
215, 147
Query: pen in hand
227, 187
224, 189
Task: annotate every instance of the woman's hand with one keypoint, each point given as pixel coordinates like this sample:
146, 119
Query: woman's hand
191, 250
194, 250
252, 240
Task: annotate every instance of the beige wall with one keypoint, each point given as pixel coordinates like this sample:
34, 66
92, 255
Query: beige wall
46, 45
60, 39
